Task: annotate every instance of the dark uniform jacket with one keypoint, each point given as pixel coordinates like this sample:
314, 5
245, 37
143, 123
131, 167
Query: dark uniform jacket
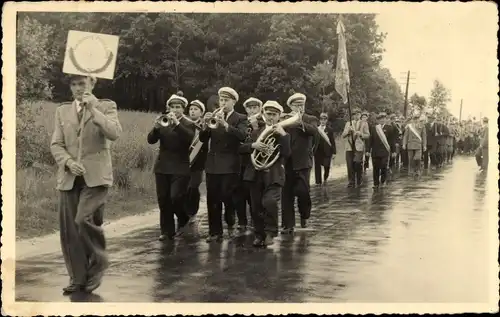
199, 161
174, 147
276, 173
303, 143
398, 132
432, 131
324, 150
223, 156
376, 146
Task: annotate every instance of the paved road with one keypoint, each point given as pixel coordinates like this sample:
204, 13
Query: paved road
414, 241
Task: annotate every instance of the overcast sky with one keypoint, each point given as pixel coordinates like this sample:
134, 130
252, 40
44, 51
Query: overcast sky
455, 46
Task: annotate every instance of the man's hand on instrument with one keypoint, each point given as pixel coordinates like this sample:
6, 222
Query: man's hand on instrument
157, 122
222, 121
174, 119
89, 101
333, 156
76, 168
425, 148
259, 146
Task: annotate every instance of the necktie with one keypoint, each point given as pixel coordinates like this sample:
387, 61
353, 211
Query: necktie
80, 114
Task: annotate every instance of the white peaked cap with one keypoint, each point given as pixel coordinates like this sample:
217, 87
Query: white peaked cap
296, 97
252, 99
174, 98
274, 105
198, 104
229, 92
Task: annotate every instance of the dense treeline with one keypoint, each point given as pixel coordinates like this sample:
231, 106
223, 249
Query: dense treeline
261, 55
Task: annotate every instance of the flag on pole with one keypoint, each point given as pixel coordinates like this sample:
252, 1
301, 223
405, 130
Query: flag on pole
342, 70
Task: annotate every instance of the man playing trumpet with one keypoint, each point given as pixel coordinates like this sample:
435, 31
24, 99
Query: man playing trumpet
83, 184
266, 183
171, 169
225, 130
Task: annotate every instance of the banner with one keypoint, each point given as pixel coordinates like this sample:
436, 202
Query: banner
342, 70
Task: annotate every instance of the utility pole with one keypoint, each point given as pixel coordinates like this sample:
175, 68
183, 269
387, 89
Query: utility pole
460, 117
405, 109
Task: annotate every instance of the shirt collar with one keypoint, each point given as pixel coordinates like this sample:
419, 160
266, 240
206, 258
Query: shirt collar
229, 113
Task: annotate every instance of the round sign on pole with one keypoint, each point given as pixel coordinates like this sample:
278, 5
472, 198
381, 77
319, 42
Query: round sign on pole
90, 54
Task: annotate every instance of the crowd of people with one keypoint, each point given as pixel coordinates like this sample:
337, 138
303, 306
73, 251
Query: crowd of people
260, 161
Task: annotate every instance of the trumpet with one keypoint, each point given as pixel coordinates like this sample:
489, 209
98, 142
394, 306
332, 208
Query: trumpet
213, 123
165, 119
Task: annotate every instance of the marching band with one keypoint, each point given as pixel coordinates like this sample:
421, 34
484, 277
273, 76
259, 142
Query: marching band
261, 160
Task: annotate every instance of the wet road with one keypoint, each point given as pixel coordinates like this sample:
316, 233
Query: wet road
414, 241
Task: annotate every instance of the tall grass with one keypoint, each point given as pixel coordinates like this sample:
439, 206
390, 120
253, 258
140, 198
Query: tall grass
36, 202
133, 159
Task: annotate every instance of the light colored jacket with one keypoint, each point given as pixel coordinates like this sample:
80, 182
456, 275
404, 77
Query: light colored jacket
359, 142
98, 132
411, 141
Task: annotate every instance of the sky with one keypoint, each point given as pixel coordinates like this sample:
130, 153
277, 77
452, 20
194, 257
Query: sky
456, 46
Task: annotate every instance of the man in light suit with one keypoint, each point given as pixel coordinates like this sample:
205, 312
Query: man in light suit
83, 186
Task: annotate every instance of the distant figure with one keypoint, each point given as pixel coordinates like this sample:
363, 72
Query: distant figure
381, 145
83, 186
358, 131
482, 150
324, 153
414, 141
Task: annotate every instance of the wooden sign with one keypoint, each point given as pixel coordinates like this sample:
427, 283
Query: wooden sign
91, 54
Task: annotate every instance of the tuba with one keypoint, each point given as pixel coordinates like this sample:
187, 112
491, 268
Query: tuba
212, 122
263, 160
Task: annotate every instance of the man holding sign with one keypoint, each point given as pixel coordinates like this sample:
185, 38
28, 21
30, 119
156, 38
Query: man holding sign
83, 131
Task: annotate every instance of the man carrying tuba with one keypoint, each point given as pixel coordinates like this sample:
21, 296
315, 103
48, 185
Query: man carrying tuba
268, 178
175, 133
298, 166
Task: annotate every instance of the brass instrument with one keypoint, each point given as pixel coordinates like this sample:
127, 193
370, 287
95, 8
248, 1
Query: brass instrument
165, 119
212, 122
262, 160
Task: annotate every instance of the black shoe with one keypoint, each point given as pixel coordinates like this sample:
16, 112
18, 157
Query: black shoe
303, 222
72, 288
94, 282
216, 238
350, 185
375, 186
269, 240
287, 231
166, 237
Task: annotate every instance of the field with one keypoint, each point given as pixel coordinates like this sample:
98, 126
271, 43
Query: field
36, 196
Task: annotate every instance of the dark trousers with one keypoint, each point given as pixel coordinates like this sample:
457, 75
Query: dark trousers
192, 201
404, 158
82, 239
242, 198
171, 191
354, 166
319, 163
296, 185
482, 157
429, 155
379, 169
265, 198
394, 160
221, 189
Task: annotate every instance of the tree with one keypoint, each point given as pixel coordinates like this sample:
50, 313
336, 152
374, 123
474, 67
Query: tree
417, 104
440, 96
34, 56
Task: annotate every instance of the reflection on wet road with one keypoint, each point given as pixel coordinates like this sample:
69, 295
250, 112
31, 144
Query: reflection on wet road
414, 241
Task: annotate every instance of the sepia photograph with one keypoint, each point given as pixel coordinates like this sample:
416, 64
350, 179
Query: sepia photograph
251, 158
